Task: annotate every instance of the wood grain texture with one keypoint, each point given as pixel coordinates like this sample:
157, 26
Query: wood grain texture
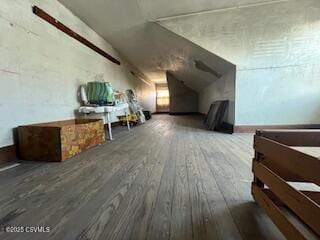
277, 215
298, 203
306, 138
167, 179
288, 160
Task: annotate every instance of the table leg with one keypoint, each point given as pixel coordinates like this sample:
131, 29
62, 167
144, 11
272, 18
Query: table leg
128, 124
109, 125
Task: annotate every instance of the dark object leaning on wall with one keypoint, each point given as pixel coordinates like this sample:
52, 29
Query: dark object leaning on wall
215, 117
147, 114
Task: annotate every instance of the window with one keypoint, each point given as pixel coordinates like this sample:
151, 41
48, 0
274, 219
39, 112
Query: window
163, 100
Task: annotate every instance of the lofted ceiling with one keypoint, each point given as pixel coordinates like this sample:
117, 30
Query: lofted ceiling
129, 25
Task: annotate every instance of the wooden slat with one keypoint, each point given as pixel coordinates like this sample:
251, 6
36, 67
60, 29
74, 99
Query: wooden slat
303, 138
181, 206
160, 222
315, 196
273, 197
304, 207
45, 16
203, 221
290, 161
281, 170
276, 215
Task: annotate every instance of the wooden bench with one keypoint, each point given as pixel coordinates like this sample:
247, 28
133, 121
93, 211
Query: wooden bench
277, 167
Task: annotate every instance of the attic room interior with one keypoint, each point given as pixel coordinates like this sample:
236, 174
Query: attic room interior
139, 119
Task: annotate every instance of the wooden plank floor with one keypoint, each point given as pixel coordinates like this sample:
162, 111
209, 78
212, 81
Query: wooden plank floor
167, 179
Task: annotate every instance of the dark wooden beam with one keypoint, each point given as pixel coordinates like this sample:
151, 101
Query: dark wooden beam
45, 16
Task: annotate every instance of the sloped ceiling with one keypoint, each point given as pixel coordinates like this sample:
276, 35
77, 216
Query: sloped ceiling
156, 9
129, 26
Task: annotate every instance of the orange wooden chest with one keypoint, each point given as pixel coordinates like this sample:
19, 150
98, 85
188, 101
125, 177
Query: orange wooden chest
58, 141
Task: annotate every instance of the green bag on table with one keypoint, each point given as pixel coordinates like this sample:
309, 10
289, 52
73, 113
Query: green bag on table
100, 93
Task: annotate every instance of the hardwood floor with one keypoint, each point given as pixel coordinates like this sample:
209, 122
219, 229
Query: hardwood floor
167, 179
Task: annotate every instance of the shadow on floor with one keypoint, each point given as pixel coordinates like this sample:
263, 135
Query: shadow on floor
190, 121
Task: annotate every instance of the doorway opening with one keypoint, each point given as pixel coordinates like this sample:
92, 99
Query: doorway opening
163, 98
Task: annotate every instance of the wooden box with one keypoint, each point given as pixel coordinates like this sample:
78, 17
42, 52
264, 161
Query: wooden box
58, 141
287, 179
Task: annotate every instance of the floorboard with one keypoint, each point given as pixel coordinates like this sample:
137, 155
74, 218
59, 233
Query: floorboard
167, 179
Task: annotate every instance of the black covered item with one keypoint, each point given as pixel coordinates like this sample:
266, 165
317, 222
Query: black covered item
147, 114
214, 118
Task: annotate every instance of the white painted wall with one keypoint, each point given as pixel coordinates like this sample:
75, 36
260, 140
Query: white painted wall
221, 89
182, 98
41, 68
276, 50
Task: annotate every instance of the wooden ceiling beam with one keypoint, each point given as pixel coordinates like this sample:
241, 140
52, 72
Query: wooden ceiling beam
48, 18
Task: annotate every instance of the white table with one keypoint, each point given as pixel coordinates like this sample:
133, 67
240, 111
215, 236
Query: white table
107, 110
